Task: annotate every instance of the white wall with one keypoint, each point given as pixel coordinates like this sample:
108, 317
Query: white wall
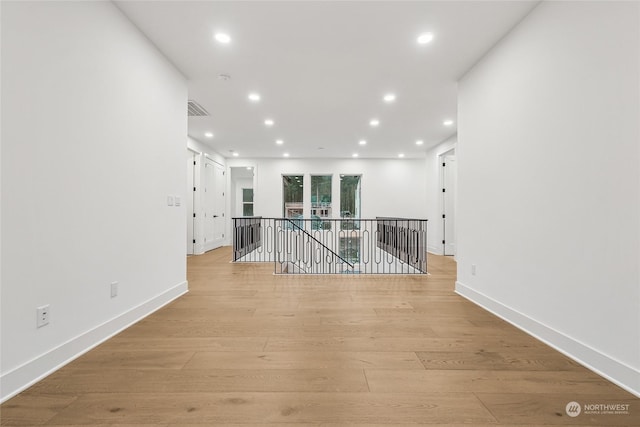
549, 185
434, 194
93, 138
392, 187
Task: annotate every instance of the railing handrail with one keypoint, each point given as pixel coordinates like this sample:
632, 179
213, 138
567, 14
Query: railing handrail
318, 241
395, 218
382, 218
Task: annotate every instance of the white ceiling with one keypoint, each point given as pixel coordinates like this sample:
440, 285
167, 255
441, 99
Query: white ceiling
322, 68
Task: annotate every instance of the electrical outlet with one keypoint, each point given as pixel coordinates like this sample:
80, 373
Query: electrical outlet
42, 315
114, 289
473, 269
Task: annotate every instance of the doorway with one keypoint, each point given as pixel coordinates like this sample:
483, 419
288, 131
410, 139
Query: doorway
190, 201
213, 205
449, 173
241, 191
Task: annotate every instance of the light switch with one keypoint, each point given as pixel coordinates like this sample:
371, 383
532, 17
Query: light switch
169, 200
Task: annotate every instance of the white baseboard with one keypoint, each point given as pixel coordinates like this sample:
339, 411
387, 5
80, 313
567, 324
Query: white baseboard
22, 377
435, 249
615, 371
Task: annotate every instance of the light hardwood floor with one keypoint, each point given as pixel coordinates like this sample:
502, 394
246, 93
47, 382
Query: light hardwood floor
245, 347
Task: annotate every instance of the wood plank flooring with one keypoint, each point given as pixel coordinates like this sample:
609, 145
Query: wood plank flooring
247, 348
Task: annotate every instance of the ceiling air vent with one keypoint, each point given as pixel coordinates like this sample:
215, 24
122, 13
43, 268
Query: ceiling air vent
196, 110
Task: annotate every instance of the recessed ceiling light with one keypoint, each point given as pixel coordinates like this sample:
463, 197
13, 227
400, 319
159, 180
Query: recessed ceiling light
374, 122
390, 97
222, 38
208, 134
286, 154
279, 141
269, 122
419, 142
354, 155
254, 97
447, 122
362, 142
235, 154
425, 38
401, 155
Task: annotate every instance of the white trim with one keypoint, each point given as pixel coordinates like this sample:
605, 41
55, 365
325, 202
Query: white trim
613, 370
434, 250
214, 160
24, 376
216, 243
443, 235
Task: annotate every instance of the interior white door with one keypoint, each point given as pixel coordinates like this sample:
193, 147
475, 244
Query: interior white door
449, 175
220, 204
191, 162
213, 206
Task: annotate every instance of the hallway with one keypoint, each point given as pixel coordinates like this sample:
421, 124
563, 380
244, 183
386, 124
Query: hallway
246, 347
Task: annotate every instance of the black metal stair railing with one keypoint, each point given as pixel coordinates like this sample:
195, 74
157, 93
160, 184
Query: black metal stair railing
247, 236
301, 252
333, 246
253, 239
406, 239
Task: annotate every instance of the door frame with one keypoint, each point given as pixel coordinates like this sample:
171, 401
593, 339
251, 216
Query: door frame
220, 210
192, 161
443, 203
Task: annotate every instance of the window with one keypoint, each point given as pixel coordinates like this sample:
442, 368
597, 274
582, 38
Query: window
321, 196
247, 202
292, 186
350, 196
